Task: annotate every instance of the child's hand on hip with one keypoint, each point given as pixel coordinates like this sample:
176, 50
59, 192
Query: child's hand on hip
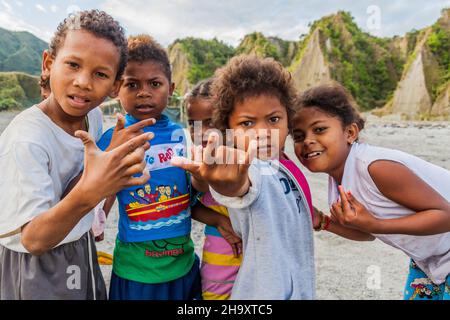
121, 134
106, 173
224, 169
349, 212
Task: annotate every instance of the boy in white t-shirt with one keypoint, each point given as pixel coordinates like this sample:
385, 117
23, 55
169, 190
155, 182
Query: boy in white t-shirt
46, 250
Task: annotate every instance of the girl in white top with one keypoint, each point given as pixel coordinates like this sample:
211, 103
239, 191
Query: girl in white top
376, 192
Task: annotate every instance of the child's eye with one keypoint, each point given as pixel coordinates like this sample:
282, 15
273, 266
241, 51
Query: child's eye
319, 129
72, 65
210, 124
298, 137
274, 120
191, 123
102, 75
131, 85
155, 84
246, 123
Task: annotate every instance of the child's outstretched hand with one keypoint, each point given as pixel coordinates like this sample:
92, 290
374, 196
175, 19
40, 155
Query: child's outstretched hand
121, 134
106, 173
224, 169
349, 212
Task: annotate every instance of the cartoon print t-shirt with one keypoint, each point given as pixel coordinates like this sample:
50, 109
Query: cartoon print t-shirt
159, 209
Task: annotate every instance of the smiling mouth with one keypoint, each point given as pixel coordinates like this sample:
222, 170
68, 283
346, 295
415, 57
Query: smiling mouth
312, 155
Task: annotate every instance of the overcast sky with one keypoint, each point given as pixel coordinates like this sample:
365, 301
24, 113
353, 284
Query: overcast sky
167, 20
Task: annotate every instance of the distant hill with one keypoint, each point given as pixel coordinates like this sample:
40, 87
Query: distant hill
18, 90
262, 46
20, 51
424, 89
407, 75
336, 48
195, 59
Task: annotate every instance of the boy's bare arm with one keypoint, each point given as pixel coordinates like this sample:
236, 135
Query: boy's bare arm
105, 173
205, 215
109, 202
211, 218
72, 184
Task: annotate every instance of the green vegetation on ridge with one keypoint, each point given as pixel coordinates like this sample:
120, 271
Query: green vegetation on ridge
205, 56
439, 43
18, 90
362, 63
20, 51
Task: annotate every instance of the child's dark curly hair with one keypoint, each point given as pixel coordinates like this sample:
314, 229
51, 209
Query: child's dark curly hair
201, 90
247, 76
98, 23
333, 99
144, 48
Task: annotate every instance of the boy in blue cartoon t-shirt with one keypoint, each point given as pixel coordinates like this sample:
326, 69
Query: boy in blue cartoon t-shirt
154, 254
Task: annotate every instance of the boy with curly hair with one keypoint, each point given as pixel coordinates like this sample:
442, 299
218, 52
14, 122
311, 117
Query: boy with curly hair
46, 249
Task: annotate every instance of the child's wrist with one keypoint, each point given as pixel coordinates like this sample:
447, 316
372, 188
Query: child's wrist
84, 197
377, 226
324, 222
244, 189
217, 221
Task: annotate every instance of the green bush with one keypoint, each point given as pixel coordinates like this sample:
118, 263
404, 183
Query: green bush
205, 56
439, 44
9, 103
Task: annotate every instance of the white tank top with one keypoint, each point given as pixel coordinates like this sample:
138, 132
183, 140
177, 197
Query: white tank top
431, 253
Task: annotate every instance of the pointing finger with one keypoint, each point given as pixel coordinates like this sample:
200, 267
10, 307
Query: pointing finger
120, 124
142, 124
132, 144
185, 164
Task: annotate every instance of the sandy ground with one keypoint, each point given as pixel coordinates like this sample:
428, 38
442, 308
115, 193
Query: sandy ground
345, 269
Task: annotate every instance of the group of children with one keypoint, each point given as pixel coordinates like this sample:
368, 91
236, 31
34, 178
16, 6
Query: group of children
254, 200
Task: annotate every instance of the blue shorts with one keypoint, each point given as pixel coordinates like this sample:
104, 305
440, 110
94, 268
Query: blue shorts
188, 287
420, 287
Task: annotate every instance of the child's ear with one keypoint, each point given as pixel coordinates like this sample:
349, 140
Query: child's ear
116, 88
47, 62
352, 131
172, 88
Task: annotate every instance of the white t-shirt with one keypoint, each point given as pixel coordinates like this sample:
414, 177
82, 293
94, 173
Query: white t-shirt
431, 253
38, 159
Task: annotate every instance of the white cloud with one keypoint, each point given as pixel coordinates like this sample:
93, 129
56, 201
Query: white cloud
53, 8
40, 7
228, 21
19, 3
231, 20
6, 6
12, 21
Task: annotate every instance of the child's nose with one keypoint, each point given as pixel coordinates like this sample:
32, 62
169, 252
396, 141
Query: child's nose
144, 94
83, 81
308, 140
